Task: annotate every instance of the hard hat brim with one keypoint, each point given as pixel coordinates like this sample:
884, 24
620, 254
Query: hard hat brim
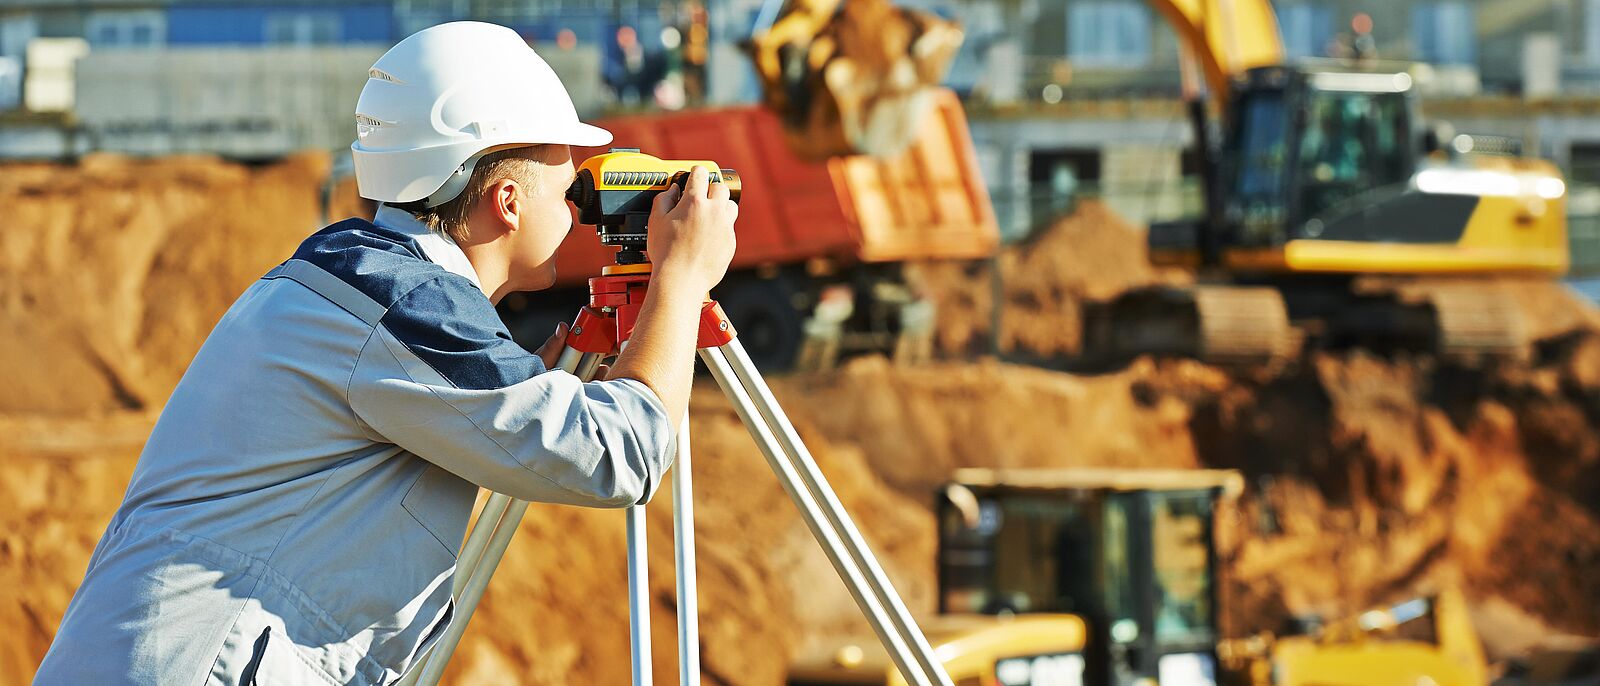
587, 135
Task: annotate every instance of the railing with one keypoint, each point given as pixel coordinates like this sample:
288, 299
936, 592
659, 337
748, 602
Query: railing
1583, 228
1024, 212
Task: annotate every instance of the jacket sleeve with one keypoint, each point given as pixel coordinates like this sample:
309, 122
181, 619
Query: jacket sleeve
441, 378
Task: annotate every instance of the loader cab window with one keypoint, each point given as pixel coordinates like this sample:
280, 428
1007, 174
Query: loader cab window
1352, 144
1180, 546
1020, 553
1118, 565
1086, 553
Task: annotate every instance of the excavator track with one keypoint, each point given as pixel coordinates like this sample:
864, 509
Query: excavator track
1233, 326
1474, 321
1243, 326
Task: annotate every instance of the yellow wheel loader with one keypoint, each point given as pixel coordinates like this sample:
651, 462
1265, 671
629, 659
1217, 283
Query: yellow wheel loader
1108, 578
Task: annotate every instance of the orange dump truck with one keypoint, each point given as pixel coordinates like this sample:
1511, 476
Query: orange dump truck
820, 244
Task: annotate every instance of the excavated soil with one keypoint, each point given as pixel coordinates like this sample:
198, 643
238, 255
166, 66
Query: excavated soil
1041, 285
1370, 479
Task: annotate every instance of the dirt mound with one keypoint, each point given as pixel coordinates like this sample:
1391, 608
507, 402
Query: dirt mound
1091, 254
115, 269
1370, 479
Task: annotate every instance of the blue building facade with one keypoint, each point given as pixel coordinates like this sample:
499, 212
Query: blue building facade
331, 23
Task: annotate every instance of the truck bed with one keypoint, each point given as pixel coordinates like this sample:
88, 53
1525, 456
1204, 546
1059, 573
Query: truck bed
929, 202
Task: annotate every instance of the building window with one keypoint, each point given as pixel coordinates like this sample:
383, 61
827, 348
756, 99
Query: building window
1105, 33
303, 28
1444, 32
1591, 31
126, 29
1307, 30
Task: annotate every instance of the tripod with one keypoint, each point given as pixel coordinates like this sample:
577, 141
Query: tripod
601, 330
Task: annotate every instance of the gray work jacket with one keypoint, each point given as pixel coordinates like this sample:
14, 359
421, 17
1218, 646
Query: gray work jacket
296, 513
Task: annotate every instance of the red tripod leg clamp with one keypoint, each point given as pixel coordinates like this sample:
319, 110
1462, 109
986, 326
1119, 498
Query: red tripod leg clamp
593, 332
715, 329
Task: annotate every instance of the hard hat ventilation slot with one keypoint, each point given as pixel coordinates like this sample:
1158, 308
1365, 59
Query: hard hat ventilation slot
382, 75
366, 125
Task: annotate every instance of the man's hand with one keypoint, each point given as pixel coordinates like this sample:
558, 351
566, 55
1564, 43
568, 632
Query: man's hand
690, 245
691, 231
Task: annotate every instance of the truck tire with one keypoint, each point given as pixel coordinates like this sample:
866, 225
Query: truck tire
763, 313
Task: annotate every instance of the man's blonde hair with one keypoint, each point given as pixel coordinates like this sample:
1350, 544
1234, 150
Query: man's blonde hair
516, 164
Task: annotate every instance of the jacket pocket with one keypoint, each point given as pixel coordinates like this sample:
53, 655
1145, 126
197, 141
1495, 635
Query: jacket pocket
442, 503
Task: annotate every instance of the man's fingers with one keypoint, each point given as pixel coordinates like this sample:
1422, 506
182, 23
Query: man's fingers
699, 178
553, 345
668, 199
719, 191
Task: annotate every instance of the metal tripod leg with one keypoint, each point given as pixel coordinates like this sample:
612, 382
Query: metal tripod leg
431, 671
638, 597
829, 525
472, 551
683, 558
834, 510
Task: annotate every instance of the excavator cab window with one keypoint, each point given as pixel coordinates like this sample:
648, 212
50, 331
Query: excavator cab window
1297, 156
1353, 145
1261, 173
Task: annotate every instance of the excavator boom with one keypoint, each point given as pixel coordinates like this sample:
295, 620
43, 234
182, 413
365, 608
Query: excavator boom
1226, 37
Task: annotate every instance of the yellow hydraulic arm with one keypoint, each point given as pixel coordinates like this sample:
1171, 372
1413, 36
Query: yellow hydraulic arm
1225, 36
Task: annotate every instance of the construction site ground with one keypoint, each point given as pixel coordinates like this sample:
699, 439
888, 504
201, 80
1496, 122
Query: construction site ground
1371, 479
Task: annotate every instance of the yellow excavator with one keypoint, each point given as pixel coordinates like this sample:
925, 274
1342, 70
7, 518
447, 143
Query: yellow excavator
1333, 213
1107, 577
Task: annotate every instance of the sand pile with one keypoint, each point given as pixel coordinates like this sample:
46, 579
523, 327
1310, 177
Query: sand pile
1370, 479
1042, 283
114, 270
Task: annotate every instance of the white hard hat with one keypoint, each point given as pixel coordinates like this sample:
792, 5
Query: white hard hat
436, 101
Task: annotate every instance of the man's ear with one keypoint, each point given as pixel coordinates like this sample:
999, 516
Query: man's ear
506, 204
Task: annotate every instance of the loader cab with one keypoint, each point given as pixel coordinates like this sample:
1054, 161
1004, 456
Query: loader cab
1129, 552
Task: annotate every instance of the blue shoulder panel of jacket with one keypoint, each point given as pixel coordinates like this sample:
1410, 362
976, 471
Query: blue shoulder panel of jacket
441, 317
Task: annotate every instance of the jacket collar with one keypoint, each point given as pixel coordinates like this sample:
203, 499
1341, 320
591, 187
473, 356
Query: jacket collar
439, 248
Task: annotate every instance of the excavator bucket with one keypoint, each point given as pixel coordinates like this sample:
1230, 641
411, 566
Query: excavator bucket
856, 79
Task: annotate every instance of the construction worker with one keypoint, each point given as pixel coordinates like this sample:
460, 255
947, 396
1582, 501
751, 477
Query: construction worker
296, 513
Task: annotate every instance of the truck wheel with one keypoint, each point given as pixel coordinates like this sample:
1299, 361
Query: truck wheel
764, 314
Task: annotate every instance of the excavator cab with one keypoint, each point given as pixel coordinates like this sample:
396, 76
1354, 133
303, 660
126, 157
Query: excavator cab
1303, 149
1330, 222
1129, 552
1306, 147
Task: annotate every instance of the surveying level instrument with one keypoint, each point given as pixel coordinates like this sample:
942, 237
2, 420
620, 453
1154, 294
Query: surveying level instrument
615, 191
